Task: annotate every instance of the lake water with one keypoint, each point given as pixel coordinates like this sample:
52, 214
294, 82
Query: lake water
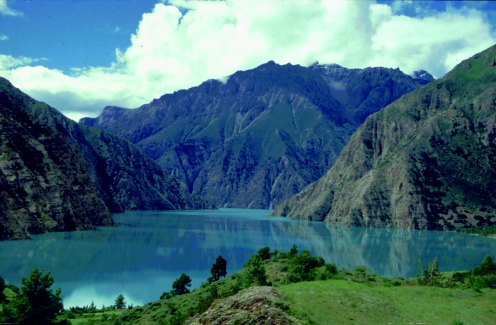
146, 251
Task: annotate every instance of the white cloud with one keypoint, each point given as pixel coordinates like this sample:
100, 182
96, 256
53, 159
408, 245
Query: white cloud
174, 49
5, 10
9, 62
3, 37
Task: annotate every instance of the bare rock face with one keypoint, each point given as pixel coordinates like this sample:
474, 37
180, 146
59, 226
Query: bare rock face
255, 305
58, 176
426, 161
261, 136
44, 179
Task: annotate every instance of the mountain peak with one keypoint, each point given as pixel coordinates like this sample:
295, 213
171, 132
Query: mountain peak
422, 76
425, 161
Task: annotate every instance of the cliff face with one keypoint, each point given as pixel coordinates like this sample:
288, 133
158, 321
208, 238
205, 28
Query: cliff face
426, 161
44, 179
261, 136
58, 176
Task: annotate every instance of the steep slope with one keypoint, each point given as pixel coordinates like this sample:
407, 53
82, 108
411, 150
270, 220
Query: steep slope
261, 136
426, 161
362, 92
56, 175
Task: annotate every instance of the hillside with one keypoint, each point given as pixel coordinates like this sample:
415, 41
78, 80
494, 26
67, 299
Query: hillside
58, 176
426, 161
263, 134
298, 288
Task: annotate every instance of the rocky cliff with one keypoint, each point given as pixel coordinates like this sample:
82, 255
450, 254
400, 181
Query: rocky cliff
426, 161
56, 175
262, 135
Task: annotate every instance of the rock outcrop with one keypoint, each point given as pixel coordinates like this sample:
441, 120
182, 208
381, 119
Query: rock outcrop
261, 136
255, 305
426, 161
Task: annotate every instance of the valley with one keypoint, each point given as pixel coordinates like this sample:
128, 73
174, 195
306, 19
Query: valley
247, 162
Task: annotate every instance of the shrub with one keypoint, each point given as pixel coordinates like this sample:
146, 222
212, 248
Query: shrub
256, 271
429, 275
487, 267
476, 282
302, 266
264, 253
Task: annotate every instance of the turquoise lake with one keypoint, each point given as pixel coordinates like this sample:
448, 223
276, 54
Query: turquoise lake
146, 251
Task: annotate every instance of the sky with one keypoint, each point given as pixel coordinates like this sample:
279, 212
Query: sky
82, 55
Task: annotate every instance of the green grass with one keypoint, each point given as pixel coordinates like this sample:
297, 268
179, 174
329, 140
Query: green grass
348, 302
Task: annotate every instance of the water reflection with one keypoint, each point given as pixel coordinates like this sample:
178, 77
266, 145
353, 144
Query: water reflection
147, 250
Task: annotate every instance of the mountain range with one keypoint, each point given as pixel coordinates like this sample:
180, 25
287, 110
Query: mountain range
260, 136
56, 175
426, 161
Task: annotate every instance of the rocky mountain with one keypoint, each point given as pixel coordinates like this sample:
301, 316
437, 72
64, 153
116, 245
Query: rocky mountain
262, 135
426, 161
56, 175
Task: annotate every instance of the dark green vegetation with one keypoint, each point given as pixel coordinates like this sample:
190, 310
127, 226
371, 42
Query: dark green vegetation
218, 270
179, 287
483, 231
426, 161
56, 175
263, 135
36, 303
292, 288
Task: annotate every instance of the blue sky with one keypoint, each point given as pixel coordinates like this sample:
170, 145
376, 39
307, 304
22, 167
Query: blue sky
71, 33
80, 55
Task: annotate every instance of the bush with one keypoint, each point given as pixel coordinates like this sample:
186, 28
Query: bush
476, 282
302, 266
264, 253
429, 275
327, 272
487, 267
256, 271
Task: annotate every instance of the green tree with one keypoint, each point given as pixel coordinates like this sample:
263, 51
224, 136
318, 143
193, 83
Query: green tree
256, 271
120, 303
2, 288
294, 250
264, 253
487, 267
218, 270
36, 303
179, 287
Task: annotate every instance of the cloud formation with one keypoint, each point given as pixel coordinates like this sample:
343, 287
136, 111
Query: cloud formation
186, 42
5, 10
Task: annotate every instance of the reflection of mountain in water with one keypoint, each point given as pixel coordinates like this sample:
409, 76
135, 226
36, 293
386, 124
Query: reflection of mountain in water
389, 252
147, 250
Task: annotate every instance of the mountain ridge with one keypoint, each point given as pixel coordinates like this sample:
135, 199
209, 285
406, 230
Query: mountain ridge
56, 175
422, 162
261, 135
